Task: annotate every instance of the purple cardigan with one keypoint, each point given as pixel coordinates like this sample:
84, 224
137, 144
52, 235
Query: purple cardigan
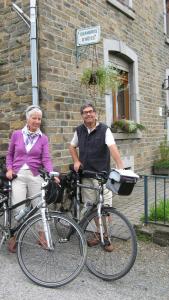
37, 157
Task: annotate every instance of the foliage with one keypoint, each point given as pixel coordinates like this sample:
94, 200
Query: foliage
164, 150
103, 77
2, 62
163, 162
158, 213
144, 237
128, 125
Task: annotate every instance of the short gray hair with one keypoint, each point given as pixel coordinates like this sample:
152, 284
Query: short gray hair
85, 106
31, 109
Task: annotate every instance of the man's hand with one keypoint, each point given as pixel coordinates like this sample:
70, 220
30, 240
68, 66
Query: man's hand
77, 165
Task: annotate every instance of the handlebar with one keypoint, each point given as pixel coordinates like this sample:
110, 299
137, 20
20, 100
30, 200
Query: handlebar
48, 175
90, 174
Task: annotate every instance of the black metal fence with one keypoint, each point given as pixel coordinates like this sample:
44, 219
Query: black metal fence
156, 199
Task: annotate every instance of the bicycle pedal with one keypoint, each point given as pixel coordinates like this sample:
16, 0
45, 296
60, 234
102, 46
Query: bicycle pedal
63, 240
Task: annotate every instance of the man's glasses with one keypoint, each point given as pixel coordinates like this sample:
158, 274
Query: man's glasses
88, 112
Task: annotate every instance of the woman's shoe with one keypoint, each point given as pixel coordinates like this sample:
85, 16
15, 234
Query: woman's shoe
12, 244
42, 240
95, 240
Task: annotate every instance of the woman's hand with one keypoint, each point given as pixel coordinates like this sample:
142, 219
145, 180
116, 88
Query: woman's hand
9, 174
57, 180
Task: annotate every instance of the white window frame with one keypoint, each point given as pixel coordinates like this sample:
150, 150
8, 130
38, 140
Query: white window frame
127, 10
167, 104
120, 47
165, 23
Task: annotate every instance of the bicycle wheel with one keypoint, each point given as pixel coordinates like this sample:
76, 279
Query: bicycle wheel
122, 238
57, 267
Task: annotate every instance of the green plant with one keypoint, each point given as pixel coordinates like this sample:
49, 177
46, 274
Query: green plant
157, 213
2, 62
103, 77
164, 150
143, 237
127, 125
163, 162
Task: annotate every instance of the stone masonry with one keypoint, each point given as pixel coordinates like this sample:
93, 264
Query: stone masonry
59, 78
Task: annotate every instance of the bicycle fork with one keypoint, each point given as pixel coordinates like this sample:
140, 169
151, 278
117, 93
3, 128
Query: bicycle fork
103, 226
47, 230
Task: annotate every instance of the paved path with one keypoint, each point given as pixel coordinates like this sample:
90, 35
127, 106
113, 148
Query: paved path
148, 279
133, 206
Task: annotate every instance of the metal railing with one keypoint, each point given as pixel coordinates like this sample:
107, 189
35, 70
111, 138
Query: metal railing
156, 192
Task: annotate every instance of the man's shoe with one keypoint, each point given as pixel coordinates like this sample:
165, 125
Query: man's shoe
109, 248
94, 241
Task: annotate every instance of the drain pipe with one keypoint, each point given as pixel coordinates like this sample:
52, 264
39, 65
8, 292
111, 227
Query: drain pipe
34, 52
32, 25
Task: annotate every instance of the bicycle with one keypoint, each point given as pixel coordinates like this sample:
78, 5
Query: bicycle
57, 260
112, 227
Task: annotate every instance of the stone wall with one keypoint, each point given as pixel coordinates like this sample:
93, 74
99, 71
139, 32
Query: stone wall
60, 92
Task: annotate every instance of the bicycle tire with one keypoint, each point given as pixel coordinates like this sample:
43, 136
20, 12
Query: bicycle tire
111, 265
51, 268
3, 225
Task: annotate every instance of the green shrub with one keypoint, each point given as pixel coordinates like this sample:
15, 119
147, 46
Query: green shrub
158, 214
161, 164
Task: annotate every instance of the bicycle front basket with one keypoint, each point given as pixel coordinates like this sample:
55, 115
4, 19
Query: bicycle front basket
52, 194
121, 182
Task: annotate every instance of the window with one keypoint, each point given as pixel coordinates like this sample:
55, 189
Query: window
167, 103
121, 98
121, 105
125, 6
166, 17
125, 102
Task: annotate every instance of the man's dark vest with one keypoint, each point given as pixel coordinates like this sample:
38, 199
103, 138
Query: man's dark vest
93, 152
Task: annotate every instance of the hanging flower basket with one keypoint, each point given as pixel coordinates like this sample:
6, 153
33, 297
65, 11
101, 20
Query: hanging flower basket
101, 79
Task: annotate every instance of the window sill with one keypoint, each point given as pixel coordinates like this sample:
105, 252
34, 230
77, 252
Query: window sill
127, 136
124, 9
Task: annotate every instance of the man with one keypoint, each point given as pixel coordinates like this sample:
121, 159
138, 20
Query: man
95, 142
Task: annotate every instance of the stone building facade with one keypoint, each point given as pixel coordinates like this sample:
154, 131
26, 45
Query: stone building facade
133, 37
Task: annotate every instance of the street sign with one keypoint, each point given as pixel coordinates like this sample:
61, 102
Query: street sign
88, 36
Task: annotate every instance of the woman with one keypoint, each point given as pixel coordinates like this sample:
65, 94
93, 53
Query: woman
28, 151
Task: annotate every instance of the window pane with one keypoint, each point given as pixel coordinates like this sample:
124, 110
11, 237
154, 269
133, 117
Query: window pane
121, 106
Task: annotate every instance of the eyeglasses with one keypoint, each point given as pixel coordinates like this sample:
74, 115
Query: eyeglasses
88, 112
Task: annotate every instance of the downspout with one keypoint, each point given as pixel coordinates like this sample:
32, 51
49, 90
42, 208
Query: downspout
34, 52
32, 25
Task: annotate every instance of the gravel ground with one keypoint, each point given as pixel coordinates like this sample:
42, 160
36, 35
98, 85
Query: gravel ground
148, 279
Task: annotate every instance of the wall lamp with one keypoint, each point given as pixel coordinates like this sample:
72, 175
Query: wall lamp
165, 84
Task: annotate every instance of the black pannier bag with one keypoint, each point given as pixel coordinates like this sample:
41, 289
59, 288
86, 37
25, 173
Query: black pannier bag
121, 182
3, 178
53, 192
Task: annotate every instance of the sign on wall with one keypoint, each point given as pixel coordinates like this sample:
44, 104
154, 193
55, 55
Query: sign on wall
87, 36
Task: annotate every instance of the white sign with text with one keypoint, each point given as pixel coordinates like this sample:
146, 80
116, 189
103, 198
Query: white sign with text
87, 36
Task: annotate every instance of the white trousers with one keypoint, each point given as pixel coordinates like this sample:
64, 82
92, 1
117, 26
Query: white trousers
25, 185
91, 195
